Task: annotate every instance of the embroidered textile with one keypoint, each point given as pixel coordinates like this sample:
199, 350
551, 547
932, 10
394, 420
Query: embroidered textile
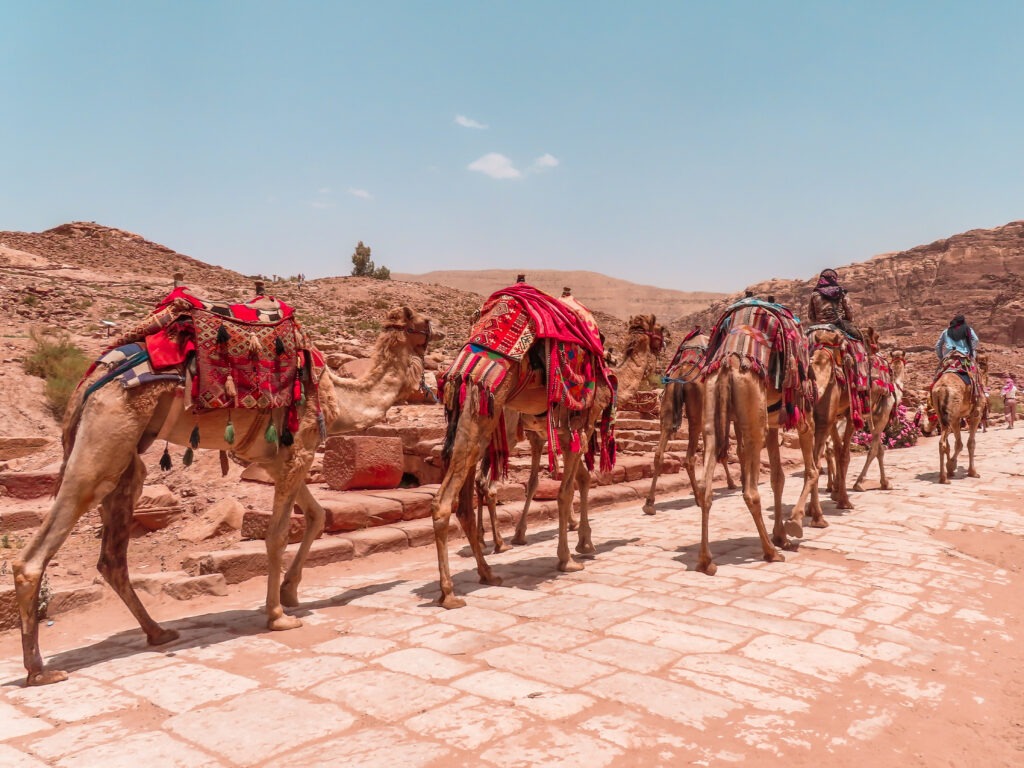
767, 340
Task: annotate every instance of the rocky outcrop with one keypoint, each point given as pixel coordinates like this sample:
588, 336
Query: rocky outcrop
911, 295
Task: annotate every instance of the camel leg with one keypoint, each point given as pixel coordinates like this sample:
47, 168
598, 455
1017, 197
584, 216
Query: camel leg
973, 427
277, 541
566, 491
659, 452
944, 456
703, 490
958, 445
584, 543
315, 516
778, 481
536, 449
841, 496
753, 435
116, 512
873, 452
466, 518
470, 435
794, 526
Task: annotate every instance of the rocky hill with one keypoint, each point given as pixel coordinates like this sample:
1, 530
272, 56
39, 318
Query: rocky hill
618, 298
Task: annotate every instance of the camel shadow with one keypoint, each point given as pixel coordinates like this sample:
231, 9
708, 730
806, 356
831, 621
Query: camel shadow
928, 477
200, 631
736, 551
527, 573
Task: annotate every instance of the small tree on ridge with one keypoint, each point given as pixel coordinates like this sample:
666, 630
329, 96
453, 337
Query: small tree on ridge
363, 265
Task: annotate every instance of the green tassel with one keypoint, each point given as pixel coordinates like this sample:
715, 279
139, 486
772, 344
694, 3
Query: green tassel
229, 434
193, 439
165, 460
271, 434
187, 458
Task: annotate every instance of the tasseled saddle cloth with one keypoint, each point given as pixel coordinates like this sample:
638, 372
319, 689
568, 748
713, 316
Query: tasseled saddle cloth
965, 368
767, 340
253, 355
688, 360
568, 352
852, 367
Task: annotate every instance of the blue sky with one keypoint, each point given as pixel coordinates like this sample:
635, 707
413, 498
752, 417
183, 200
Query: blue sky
697, 146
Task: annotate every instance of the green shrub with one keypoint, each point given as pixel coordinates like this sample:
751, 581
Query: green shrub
57, 360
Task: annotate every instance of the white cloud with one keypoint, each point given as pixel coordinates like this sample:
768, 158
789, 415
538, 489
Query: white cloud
321, 204
468, 122
361, 193
495, 165
544, 162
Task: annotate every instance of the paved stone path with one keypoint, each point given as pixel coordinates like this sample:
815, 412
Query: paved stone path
637, 660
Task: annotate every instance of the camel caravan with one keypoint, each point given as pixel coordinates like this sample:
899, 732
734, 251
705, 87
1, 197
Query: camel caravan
245, 380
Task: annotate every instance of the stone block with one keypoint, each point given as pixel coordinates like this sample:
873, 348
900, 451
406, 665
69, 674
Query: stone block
17, 447
372, 540
353, 511
255, 525
29, 485
415, 503
357, 462
20, 519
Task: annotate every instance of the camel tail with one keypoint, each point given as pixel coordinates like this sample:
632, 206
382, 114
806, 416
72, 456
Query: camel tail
723, 410
678, 401
69, 430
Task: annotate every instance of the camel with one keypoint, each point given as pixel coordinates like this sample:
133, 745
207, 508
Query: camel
758, 395
684, 388
954, 399
833, 368
105, 435
470, 431
630, 374
885, 375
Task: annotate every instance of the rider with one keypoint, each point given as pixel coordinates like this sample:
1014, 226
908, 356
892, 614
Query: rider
829, 304
958, 337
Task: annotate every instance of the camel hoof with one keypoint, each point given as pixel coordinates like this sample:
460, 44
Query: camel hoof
649, 508
858, 488
519, 540
289, 596
708, 568
944, 481
162, 637
845, 504
973, 473
573, 525
586, 549
499, 548
284, 622
789, 545
819, 522
451, 601
491, 580
794, 529
47, 677
774, 557
885, 487
570, 567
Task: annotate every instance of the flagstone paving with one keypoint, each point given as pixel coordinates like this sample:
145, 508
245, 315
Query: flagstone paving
636, 660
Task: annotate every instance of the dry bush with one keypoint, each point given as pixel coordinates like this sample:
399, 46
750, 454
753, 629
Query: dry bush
57, 360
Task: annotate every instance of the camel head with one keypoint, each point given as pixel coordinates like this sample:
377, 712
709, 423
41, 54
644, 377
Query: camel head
645, 334
405, 328
898, 361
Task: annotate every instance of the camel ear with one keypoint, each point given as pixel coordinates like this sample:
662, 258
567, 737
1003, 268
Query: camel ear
397, 315
409, 314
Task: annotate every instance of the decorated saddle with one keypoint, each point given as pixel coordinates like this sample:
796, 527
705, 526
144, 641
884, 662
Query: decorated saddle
853, 367
562, 343
767, 340
964, 367
252, 355
688, 360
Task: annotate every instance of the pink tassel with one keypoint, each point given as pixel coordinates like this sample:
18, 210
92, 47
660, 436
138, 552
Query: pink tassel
483, 402
574, 446
462, 393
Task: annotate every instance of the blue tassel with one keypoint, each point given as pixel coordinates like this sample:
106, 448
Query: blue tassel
165, 460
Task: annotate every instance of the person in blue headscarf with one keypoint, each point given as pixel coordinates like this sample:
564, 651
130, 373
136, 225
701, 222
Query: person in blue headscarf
958, 337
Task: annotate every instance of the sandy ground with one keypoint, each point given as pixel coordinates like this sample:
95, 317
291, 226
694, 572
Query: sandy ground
893, 637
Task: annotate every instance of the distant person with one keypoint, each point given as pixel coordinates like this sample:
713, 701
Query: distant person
829, 305
958, 337
1009, 394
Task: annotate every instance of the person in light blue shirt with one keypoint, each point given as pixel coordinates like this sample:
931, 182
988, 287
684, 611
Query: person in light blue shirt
958, 337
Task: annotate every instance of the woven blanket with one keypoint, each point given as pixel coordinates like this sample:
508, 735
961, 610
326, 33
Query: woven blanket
252, 355
767, 340
965, 368
688, 359
130, 365
512, 321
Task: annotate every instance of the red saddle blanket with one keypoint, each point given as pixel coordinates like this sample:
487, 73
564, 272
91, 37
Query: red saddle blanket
251, 355
767, 340
852, 366
688, 360
965, 368
511, 321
